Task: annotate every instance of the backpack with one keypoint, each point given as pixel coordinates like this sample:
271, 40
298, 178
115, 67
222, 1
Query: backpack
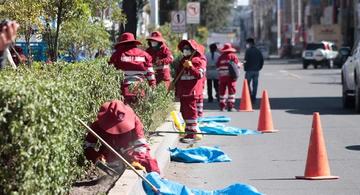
234, 70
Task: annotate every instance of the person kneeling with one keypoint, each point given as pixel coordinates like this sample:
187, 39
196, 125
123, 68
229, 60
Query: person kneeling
122, 129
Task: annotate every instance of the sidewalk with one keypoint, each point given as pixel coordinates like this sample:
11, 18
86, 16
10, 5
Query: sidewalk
129, 183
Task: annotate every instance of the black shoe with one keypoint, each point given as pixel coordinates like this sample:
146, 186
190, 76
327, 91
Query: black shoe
231, 109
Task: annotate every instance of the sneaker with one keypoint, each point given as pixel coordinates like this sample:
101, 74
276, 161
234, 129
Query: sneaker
222, 109
189, 138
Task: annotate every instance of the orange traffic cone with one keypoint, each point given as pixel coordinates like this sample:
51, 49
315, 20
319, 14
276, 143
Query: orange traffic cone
265, 124
245, 104
317, 165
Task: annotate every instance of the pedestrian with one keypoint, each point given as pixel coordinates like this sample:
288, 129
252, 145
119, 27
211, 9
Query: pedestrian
211, 72
200, 99
136, 64
254, 62
161, 58
227, 60
119, 126
8, 31
189, 88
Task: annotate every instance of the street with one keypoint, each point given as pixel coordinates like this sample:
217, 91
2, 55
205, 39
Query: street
270, 162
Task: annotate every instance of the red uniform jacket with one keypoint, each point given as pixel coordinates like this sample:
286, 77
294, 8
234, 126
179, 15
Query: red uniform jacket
222, 64
161, 60
135, 63
191, 82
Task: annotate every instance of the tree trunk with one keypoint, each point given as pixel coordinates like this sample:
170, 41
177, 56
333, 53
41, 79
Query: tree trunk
58, 23
130, 10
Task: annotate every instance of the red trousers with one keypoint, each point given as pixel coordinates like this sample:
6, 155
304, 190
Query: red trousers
229, 84
188, 109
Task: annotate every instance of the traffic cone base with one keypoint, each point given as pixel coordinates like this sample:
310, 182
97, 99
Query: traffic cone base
317, 165
245, 102
317, 178
269, 131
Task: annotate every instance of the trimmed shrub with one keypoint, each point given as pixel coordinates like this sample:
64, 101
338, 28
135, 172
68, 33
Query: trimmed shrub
41, 143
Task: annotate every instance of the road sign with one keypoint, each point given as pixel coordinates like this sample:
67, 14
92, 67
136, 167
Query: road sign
178, 21
193, 13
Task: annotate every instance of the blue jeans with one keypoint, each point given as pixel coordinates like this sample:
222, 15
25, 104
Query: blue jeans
252, 77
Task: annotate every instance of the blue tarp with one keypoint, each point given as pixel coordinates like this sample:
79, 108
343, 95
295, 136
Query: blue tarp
201, 154
167, 187
213, 127
219, 119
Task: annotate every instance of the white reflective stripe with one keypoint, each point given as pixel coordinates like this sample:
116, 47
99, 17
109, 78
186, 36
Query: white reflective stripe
134, 72
221, 97
192, 127
90, 145
231, 96
140, 141
223, 68
133, 77
190, 121
150, 69
201, 72
140, 149
231, 100
161, 67
152, 77
187, 77
222, 101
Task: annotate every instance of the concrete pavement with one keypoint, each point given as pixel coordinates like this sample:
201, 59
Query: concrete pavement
269, 162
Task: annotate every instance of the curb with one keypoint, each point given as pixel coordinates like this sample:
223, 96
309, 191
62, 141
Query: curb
129, 183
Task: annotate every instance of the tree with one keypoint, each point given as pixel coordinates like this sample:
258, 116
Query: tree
214, 13
132, 9
27, 13
58, 12
81, 34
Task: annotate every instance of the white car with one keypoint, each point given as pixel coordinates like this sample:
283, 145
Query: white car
322, 53
357, 80
348, 78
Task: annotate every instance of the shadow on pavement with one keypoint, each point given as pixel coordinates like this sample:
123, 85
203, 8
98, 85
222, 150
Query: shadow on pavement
353, 147
298, 105
276, 179
325, 83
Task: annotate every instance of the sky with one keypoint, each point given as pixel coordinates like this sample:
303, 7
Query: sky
242, 2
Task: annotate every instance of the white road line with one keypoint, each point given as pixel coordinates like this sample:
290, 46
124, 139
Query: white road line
290, 74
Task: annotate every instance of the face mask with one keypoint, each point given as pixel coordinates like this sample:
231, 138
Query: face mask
153, 43
247, 45
186, 52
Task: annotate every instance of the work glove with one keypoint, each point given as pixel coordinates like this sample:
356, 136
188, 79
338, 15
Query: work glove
187, 64
138, 166
100, 158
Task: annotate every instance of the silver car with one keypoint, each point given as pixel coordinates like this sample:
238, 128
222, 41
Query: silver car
348, 78
356, 76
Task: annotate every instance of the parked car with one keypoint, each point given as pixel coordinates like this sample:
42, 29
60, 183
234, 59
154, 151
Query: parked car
348, 78
356, 76
322, 53
343, 54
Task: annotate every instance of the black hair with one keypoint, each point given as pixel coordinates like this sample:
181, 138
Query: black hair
250, 41
213, 48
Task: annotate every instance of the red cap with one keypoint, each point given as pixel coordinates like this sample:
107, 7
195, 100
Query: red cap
115, 117
127, 38
227, 48
156, 36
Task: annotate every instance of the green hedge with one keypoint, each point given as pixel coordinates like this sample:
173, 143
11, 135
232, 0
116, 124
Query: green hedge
41, 143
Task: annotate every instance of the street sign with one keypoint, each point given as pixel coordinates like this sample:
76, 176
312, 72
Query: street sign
193, 13
178, 21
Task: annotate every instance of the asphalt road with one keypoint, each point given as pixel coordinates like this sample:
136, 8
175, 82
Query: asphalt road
270, 162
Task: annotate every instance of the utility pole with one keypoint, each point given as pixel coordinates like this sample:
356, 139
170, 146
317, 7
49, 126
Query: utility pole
300, 24
278, 24
292, 22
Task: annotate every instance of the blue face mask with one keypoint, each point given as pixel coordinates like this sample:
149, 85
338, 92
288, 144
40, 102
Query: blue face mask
186, 52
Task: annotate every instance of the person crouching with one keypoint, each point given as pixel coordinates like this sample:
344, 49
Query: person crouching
122, 129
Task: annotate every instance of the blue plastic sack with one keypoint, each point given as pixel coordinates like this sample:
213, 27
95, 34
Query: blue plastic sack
167, 187
218, 128
219, 119
201, 154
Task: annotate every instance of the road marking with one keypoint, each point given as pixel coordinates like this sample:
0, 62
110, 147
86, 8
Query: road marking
290, 74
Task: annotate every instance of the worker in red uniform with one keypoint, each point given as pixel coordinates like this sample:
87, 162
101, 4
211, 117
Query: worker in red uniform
189, 87
200, 100
121, 128
136, 64
161, 58
225, 80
